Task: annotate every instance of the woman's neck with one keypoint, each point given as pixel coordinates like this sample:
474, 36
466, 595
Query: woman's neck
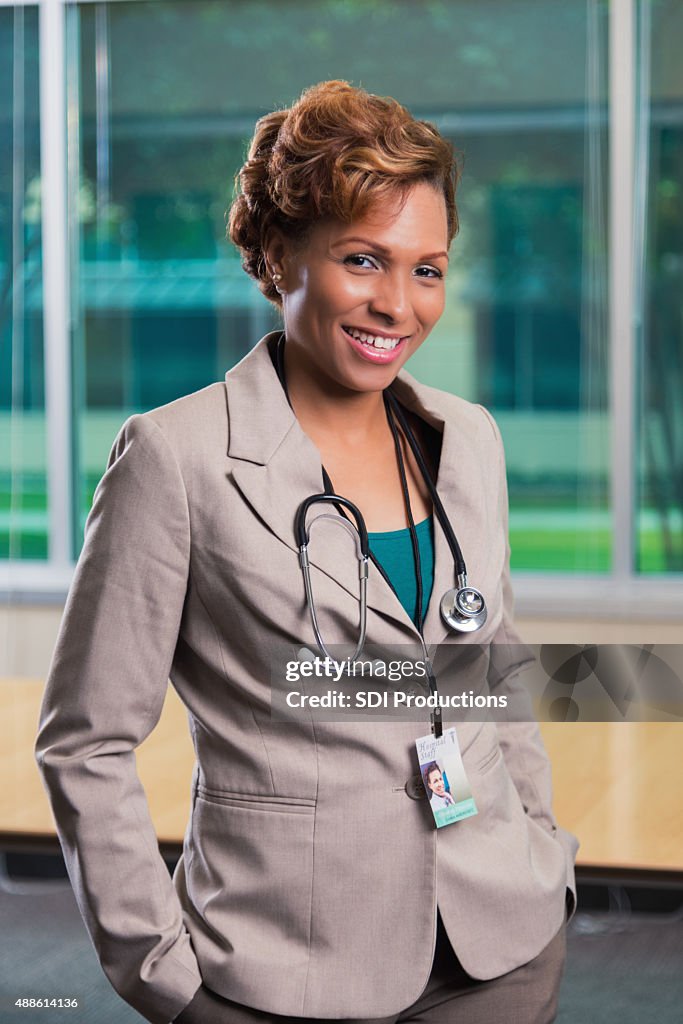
326, 409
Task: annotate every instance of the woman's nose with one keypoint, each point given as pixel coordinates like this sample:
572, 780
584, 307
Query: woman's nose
391, 298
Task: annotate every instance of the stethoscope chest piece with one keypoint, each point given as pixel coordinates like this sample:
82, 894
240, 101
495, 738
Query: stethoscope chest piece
463, 609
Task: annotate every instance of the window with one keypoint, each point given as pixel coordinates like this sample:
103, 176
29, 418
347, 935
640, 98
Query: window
161, 99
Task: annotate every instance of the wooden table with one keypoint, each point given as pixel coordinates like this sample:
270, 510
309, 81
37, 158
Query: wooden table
617, 785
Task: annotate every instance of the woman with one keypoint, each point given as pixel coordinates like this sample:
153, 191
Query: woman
313, 885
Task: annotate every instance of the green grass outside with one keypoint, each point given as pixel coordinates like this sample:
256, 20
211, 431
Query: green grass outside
569, 551
27, 545
26, 500
560, 550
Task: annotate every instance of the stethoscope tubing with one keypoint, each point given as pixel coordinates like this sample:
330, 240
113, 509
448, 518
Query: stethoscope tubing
363, 550
444, 521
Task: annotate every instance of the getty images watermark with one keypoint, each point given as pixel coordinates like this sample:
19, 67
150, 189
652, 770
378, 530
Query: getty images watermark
500, 682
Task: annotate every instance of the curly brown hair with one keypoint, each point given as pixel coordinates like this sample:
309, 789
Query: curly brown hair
333, 153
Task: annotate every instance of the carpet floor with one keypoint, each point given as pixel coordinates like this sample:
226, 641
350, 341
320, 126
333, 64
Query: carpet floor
622, 967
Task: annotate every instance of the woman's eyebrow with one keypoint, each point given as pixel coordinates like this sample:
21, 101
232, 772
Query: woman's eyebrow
380, 248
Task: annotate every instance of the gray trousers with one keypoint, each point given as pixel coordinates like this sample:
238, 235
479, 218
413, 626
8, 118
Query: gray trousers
527, 995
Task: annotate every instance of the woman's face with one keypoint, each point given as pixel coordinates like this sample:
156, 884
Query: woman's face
359, 299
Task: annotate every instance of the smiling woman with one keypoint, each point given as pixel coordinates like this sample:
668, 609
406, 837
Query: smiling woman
373, 288
314, 885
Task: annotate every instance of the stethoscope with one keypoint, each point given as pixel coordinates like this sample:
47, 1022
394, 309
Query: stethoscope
463, 608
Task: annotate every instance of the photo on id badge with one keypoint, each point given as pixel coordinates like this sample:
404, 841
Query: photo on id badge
444, 778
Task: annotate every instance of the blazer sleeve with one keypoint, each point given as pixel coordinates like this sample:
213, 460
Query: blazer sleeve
520, 740
104, 695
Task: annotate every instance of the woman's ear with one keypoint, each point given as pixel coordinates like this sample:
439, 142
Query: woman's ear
275, 251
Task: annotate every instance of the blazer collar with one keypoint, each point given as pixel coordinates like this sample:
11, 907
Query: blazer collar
276, 466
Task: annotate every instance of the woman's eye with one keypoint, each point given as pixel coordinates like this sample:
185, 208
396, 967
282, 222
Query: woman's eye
360, 260
427, 271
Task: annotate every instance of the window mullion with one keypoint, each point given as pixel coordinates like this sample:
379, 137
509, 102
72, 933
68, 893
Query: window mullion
53, 124
622, 63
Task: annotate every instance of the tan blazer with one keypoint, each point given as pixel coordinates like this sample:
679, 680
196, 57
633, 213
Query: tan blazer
303, 889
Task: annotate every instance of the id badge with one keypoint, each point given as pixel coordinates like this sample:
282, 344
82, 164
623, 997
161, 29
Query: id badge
444, 778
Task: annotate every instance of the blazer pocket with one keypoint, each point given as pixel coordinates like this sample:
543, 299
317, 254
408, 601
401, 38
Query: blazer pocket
287, 804
250, 871
489, 760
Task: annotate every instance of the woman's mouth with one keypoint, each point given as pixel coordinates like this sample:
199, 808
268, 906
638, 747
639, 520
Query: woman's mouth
375, 347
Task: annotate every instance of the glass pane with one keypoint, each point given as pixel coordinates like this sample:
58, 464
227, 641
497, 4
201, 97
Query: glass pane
23, 477
660, 493
163, 307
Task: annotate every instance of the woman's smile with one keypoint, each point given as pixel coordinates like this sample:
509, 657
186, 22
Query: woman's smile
372, 345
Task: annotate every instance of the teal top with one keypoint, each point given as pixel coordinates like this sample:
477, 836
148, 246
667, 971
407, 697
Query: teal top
394, 552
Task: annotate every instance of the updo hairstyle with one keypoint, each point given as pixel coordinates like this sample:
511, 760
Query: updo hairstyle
334, 153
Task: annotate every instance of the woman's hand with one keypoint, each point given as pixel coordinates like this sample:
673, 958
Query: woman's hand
206, 1008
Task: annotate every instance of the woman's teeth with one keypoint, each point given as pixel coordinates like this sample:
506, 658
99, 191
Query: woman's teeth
370, 339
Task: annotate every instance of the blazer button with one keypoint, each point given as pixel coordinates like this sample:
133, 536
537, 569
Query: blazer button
414, 788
